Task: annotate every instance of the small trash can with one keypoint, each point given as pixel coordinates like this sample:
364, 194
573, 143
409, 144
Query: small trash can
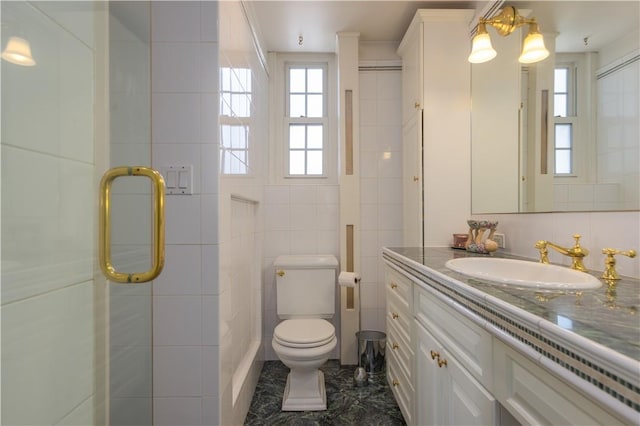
371, 351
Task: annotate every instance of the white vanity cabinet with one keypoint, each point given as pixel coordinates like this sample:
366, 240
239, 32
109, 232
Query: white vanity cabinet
450, 363
453, 366
436, 358
399, 353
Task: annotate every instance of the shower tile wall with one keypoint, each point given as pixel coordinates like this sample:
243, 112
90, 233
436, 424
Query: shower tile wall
380, 183
243, 119
184, 128
618, 128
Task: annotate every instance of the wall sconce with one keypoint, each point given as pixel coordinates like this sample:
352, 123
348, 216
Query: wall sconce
505, 23
18, 51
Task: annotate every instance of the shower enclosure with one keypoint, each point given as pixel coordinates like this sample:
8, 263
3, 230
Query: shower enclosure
76, 348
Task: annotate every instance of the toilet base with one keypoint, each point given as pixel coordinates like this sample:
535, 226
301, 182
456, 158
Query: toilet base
311, 398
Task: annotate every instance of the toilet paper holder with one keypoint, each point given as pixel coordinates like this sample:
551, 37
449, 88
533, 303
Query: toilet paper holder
348, 279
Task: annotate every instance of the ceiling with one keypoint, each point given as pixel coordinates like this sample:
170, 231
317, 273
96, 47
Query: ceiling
317, 21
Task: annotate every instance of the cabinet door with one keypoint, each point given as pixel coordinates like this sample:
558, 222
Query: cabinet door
446, 394
534, 396
412, 180
412, 74
466, 402
426, 384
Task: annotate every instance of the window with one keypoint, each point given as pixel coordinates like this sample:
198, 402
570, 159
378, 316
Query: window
306, 119
235, 120
563, 136
234, 149
564, 111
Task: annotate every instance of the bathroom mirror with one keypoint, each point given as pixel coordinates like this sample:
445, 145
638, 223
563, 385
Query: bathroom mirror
596, 48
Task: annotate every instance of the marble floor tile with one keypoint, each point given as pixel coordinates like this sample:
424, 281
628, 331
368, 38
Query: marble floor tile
346, 404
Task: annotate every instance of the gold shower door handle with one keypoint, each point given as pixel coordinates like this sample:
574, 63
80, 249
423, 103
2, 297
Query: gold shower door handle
105, 225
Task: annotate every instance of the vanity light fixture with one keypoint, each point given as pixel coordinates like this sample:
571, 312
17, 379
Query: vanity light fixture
505, 22
18, 51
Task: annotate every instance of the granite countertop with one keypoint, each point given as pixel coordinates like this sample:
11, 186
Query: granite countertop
606, 316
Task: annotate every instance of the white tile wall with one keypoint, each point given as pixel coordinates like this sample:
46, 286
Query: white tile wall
618, 124
178, 411
184, 127
620, 230
241, 233
380, 184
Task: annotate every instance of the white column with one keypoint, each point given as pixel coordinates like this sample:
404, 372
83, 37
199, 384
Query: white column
347, 53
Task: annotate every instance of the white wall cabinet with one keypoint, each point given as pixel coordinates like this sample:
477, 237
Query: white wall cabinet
413, 205
436, 97
412, 71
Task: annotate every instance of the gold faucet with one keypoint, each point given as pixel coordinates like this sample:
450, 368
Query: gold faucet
610, 262
576, 253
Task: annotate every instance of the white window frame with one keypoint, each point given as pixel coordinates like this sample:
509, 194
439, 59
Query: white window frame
235, 120
305, 121
583, 118
279, 64
571, 118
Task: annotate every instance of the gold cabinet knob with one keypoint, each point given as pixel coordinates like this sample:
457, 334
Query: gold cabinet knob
394, 315
416, 178
394, 286
395, 383
416, 105
394, 346
280, 273
435, 355
442, 362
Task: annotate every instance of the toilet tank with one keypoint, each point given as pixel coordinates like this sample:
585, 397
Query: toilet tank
306, 286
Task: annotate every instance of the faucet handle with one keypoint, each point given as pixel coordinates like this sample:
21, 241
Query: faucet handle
544, 252
577, 238
577, 248
610, 272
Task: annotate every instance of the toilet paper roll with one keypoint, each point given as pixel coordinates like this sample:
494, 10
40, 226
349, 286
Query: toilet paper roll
348, 279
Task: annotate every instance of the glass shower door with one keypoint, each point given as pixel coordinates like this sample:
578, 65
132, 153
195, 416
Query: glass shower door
130, 305
76, 349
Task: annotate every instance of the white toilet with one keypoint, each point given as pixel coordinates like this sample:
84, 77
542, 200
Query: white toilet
305, 288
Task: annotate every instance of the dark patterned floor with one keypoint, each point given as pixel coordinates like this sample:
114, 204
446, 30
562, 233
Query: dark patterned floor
346, 404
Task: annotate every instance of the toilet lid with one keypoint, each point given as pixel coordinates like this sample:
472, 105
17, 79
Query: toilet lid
304, 333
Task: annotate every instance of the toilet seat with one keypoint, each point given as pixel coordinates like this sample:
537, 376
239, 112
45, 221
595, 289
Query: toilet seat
304, 333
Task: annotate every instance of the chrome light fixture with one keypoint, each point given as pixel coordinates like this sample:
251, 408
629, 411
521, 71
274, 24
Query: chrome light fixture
506, 22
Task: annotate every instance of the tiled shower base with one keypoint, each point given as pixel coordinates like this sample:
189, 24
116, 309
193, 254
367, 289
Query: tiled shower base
346, 404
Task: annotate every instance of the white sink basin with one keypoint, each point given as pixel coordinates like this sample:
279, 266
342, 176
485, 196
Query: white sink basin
522, 273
